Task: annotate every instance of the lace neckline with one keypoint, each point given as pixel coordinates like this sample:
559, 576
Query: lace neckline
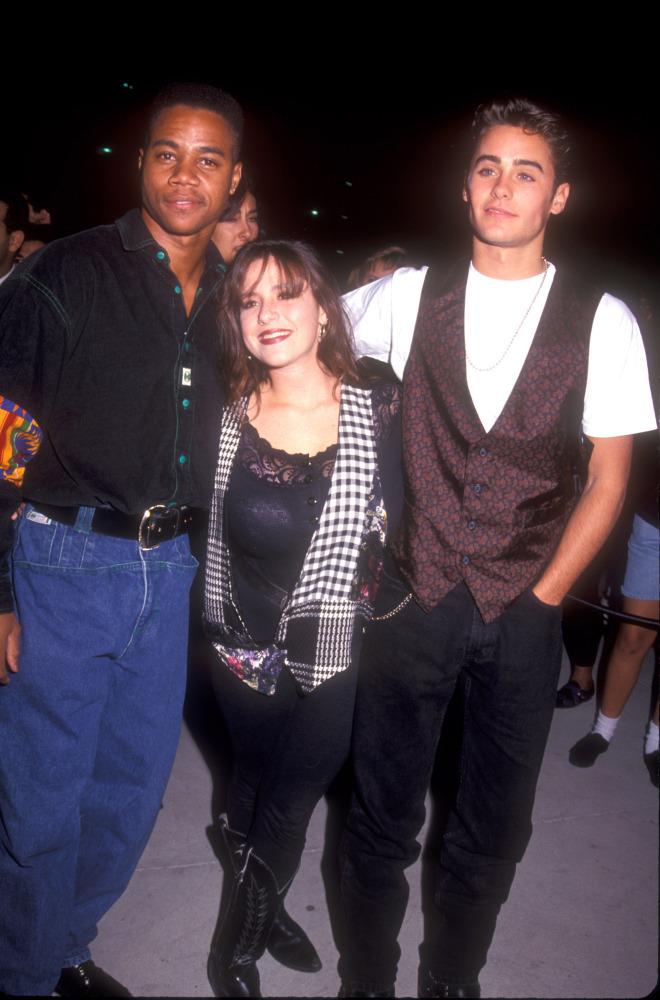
258, 456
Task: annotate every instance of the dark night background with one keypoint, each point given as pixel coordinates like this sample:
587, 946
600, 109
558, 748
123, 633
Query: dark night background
396, 136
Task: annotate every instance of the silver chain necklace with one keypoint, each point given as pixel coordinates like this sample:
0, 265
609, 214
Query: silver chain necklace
489, 368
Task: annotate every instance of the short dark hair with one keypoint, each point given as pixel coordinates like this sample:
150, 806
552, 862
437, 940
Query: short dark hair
521, 113
198, 95
299, 267
18, 214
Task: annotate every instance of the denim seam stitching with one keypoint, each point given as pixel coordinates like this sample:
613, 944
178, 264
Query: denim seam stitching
145, 579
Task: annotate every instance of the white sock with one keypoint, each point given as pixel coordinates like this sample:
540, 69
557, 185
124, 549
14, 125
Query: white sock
605, 726
651, 741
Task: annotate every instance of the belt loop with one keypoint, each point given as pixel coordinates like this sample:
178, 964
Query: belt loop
84, 519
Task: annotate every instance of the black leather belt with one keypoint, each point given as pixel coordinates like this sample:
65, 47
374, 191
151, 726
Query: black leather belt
159, 523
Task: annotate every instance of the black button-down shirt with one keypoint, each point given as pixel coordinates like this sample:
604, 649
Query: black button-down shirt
95, 344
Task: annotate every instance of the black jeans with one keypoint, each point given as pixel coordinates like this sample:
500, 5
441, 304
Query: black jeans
288, 747
410, 666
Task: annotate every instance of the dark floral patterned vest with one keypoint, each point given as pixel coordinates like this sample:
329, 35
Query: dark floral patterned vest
489, 508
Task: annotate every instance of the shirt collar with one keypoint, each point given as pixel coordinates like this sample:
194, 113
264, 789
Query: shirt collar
134, 235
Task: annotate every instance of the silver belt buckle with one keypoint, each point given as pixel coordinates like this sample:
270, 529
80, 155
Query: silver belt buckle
144, 540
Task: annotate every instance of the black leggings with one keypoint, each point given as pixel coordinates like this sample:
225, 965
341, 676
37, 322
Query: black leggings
288, 747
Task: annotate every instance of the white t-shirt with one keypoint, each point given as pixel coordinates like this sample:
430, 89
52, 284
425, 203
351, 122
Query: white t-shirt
617, 399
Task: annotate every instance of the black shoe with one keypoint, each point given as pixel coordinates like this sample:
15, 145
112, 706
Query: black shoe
429, 985
239, 981
290, 946
571, 694
586, 750
362, 989
87, 980
652, 761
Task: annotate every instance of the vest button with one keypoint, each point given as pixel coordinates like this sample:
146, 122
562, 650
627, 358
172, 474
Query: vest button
472, 525
314, 519
477, 488
483, 452
465, 560
308, 478
312, 501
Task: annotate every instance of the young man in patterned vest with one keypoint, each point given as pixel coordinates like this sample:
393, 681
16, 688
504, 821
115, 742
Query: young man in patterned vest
503, 363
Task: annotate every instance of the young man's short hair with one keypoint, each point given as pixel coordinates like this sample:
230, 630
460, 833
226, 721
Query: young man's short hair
521, 113
198, 95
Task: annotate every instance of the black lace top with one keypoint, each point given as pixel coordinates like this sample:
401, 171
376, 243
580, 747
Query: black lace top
272, 507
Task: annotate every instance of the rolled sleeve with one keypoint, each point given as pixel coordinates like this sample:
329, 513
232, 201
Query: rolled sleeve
618, 397
383, 315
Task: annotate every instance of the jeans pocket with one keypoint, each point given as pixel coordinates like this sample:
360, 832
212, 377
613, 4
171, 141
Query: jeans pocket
34, 538
556, 608
393, 595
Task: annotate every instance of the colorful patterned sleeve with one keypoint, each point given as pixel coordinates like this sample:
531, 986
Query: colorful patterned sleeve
20, 437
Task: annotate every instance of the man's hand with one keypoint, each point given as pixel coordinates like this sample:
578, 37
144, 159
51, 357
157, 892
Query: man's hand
10, 645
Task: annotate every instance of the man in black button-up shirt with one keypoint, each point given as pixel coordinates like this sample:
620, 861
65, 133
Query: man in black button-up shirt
108, 341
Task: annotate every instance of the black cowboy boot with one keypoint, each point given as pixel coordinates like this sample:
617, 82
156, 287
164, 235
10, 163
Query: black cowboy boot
290, 946
243, 930
287, 942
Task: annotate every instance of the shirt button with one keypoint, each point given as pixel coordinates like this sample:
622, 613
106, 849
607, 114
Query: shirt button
483, 452
161, 255
182, 459
312, 501
472, 525
177, 289
465, 560
185, 403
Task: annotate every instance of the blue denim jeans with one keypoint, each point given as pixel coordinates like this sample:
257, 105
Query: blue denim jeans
411, 664
88, 732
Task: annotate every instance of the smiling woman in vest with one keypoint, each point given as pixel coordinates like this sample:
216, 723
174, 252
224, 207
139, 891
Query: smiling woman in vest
307, 487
